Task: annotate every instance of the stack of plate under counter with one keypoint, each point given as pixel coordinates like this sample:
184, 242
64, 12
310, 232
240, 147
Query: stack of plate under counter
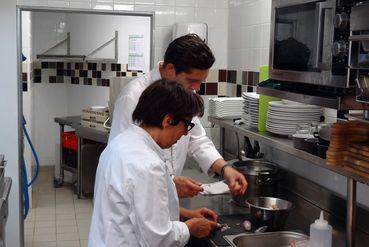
250, 109
225, 107
284, 116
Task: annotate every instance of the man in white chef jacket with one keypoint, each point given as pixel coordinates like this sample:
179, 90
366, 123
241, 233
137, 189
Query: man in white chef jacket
136, 202
187, 61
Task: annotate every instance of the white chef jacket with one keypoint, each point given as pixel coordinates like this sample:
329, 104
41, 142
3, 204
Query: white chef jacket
136, 202
196, 144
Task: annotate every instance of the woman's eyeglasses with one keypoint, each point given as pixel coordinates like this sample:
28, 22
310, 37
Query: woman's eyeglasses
189, 125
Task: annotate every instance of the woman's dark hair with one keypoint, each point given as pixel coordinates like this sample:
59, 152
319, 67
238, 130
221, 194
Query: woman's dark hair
162, 98
189, 52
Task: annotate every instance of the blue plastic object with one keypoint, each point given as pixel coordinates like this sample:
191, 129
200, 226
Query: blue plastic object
25, 179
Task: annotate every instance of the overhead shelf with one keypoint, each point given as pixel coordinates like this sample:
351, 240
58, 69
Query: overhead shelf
87, 57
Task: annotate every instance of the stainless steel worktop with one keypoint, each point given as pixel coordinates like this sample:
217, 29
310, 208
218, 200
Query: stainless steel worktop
299, 220
83, 131
286, 145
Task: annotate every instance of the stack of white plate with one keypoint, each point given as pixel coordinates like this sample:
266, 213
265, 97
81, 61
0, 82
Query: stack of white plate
284, 116
225, 107
251, 109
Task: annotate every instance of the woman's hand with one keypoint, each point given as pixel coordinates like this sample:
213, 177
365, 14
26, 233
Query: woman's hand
203, 213
200, 227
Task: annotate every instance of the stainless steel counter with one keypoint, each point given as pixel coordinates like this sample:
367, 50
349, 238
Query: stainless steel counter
88, 153
299, 220
286, 145
83, 131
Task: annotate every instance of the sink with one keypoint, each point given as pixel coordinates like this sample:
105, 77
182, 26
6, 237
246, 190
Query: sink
269, 239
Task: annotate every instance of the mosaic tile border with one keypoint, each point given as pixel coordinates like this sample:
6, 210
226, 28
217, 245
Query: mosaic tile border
220, 82
82, 73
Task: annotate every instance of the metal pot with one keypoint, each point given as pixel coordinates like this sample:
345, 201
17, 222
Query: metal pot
269, 211
261, 177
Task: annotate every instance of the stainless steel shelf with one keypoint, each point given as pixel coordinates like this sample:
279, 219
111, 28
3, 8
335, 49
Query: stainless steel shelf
285, 145
302, 98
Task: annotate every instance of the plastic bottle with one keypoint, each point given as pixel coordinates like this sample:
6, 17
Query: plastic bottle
320, 233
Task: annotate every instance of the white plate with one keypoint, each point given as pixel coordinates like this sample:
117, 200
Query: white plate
292, 130
251, 95
279, 132
289, 120
286, 131
282, 125
250, 103
290, 105
256, 112
293, 116
293, 111
99, 108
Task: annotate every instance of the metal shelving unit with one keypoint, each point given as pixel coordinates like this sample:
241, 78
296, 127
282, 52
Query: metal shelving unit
286, 145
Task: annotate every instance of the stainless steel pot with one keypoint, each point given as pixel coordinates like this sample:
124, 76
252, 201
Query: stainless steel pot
269, 211
261, 177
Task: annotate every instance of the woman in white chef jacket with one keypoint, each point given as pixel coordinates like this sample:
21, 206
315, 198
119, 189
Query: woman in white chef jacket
136, 203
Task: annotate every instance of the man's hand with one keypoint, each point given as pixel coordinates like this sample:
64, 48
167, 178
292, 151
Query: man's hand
236, 181
187, 187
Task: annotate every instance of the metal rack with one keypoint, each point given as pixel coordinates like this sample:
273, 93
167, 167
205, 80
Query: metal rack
87, 57
286, 145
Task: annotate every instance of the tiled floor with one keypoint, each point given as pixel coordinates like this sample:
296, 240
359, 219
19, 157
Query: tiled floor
58, 217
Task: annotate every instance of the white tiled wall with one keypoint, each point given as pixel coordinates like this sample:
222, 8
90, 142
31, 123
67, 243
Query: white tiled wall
87, 33
248, 39
167, 12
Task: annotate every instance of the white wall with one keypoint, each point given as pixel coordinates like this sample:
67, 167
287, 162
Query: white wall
47, 31
9, 118
88, 32
249, 28
167, 12
58, 100
91, 31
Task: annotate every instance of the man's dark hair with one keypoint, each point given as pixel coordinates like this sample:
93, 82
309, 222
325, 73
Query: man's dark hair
189, 52
162, 98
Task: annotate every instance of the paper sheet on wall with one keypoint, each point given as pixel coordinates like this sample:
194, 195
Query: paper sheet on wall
136, 59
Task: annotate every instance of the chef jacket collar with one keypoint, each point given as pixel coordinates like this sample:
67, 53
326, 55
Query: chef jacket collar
151, 143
